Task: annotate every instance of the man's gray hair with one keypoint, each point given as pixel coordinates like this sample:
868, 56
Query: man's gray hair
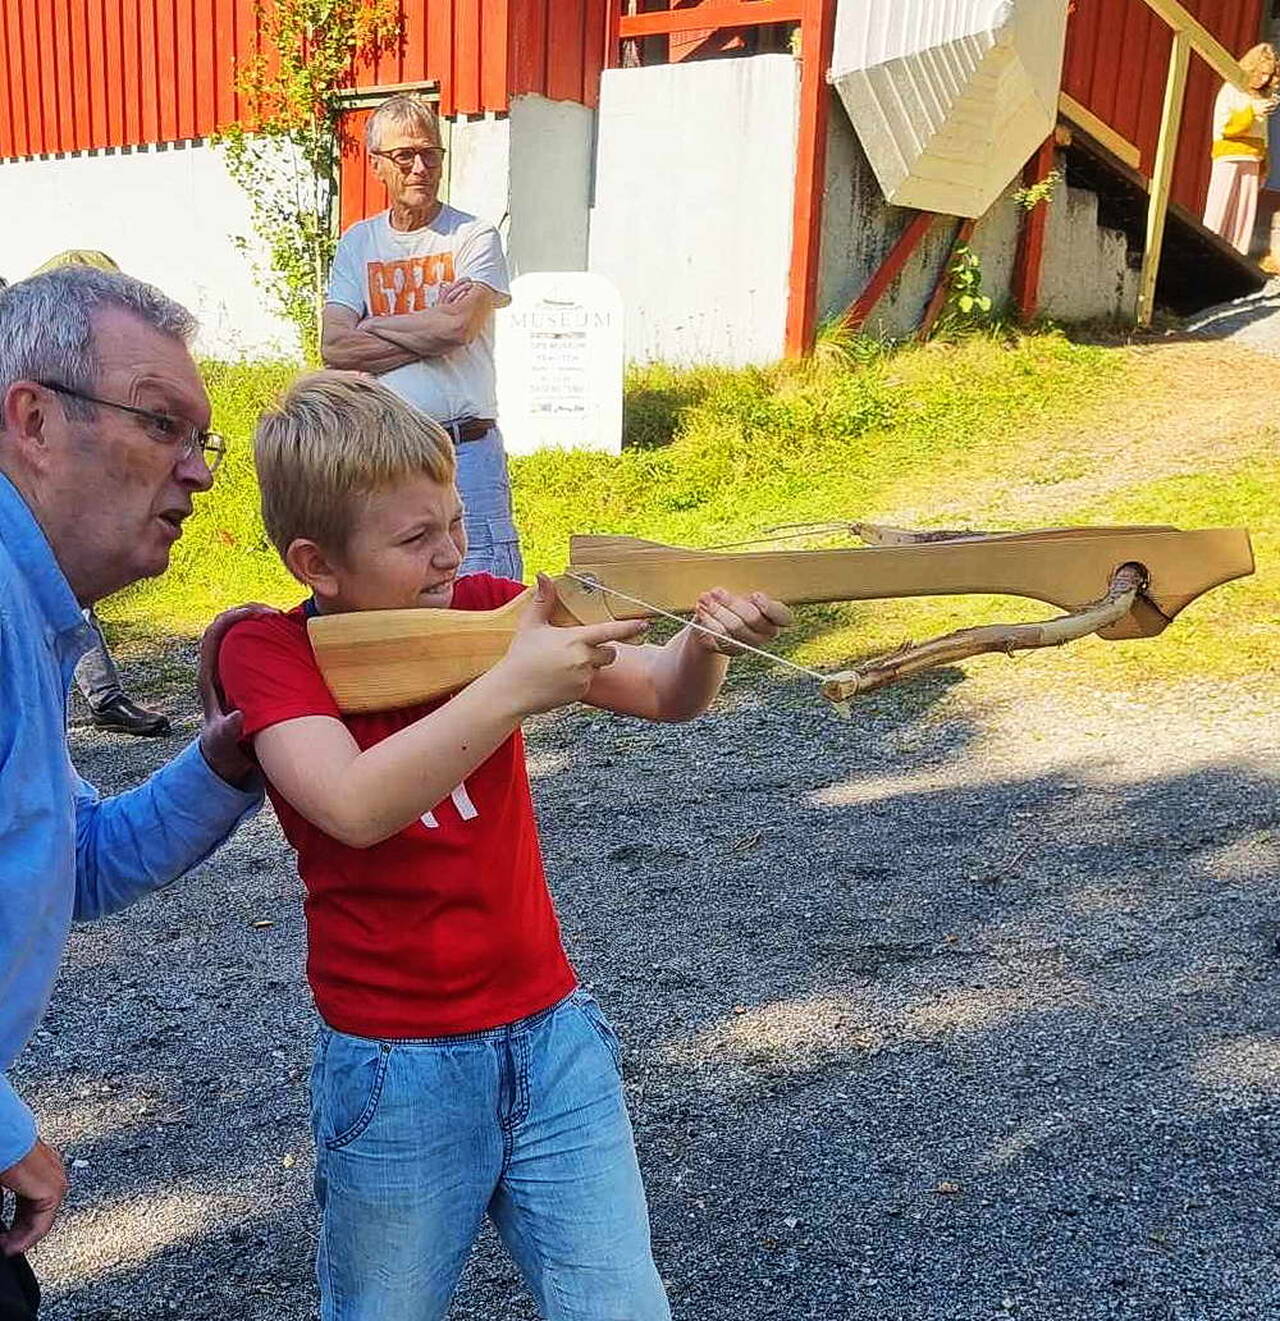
46, 326
404, 110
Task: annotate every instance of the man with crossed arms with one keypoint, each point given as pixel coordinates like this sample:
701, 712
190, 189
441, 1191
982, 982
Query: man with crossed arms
411, 301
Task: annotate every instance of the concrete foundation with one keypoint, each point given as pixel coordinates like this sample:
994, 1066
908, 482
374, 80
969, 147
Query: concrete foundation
1085, 276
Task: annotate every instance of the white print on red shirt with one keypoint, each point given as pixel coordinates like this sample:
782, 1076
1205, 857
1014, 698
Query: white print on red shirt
467, 810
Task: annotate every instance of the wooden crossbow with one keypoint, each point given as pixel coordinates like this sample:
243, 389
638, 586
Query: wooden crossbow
1117, 582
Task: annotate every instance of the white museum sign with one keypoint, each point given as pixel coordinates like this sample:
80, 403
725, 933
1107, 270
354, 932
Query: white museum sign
559, 363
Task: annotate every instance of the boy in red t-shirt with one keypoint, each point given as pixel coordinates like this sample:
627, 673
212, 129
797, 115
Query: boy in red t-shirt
459, 1072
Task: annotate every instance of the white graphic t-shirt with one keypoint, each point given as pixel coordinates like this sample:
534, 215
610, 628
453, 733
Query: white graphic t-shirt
380, 271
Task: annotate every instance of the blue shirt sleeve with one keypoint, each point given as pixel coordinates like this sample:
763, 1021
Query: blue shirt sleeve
17, 1126
136, 842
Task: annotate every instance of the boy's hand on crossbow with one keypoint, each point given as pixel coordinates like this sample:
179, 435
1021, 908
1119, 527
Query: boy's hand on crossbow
756, 620
548, 666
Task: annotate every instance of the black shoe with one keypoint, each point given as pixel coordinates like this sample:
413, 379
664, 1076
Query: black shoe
125, 717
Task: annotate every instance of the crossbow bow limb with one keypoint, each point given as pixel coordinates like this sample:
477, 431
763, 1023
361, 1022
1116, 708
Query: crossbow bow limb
1117, 582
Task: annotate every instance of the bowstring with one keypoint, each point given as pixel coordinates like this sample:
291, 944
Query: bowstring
594, 585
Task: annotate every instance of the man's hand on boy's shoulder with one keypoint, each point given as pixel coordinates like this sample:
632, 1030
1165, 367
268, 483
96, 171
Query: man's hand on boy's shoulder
755, 620
220, 739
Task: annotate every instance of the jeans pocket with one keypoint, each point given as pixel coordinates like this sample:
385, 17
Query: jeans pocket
352, 1074
594, 1015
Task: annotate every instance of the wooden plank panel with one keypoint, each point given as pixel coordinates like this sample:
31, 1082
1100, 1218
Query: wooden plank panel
222, 37
47, 55
246, 48
15, 143
440, 52
1190, 181
351, 178
167, 75
466, 54
564, 50
8, 73
1136, 22
1108, 71
98, 73
594, 43
205, 58
494, 19
386, 67
149, 72
1155, 65
131, 64
527, 28
1082, 31
78, 76
30, 82
714, 14
113, 69
612, 43
59, 60
413, 36
1102, 132
184, 47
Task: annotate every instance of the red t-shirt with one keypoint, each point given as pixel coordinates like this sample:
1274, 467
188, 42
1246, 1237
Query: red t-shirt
447, 926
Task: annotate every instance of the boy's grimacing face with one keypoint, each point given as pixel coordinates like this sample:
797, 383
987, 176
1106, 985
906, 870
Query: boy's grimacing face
404, 552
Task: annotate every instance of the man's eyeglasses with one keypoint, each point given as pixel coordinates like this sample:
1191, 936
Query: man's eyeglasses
403, 157
186, 436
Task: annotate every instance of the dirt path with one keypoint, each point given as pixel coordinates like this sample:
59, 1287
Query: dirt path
1182, 406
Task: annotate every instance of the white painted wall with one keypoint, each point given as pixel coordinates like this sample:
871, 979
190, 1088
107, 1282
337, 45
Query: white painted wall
528, 173
478, 177
551, 169
167, 215
692, 215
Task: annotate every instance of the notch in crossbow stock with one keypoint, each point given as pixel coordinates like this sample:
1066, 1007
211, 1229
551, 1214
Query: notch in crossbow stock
1117, 582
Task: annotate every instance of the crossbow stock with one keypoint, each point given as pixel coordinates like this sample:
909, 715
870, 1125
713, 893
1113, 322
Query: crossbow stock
1117, 582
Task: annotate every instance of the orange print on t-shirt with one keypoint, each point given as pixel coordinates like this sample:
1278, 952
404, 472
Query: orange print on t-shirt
408, 285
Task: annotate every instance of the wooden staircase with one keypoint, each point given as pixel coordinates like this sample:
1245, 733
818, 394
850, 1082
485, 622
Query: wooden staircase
1198, 268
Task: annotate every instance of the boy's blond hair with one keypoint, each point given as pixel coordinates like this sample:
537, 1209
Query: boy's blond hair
333, 438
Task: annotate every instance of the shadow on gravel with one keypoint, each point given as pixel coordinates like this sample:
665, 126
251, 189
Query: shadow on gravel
911, 1032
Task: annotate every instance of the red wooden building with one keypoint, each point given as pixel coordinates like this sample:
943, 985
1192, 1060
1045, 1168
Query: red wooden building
106, 76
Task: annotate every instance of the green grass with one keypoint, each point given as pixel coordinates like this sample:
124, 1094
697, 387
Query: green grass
716, 456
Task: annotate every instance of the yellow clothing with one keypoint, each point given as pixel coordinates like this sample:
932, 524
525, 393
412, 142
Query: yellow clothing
1239, 126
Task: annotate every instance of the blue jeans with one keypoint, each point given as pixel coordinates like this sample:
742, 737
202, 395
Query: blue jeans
416, 1141
492, 544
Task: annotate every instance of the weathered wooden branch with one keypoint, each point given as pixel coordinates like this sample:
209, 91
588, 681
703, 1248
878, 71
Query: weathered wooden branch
914, 658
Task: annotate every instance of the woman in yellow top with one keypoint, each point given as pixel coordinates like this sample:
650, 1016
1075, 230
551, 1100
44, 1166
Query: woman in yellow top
1240, 148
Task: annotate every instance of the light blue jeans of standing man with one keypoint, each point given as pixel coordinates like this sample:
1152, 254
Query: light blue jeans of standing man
492, 544
416, 1141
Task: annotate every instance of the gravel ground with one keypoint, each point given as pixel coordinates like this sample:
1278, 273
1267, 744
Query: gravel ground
1253, 320
966, 1008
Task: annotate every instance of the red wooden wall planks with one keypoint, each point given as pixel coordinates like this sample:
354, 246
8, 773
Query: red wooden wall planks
1116, 59
82, 74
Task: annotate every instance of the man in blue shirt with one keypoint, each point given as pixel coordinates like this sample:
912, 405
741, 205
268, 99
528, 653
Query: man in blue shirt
103, 447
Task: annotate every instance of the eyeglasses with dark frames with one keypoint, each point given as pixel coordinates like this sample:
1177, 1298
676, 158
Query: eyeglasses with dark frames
186, 436
403, 157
